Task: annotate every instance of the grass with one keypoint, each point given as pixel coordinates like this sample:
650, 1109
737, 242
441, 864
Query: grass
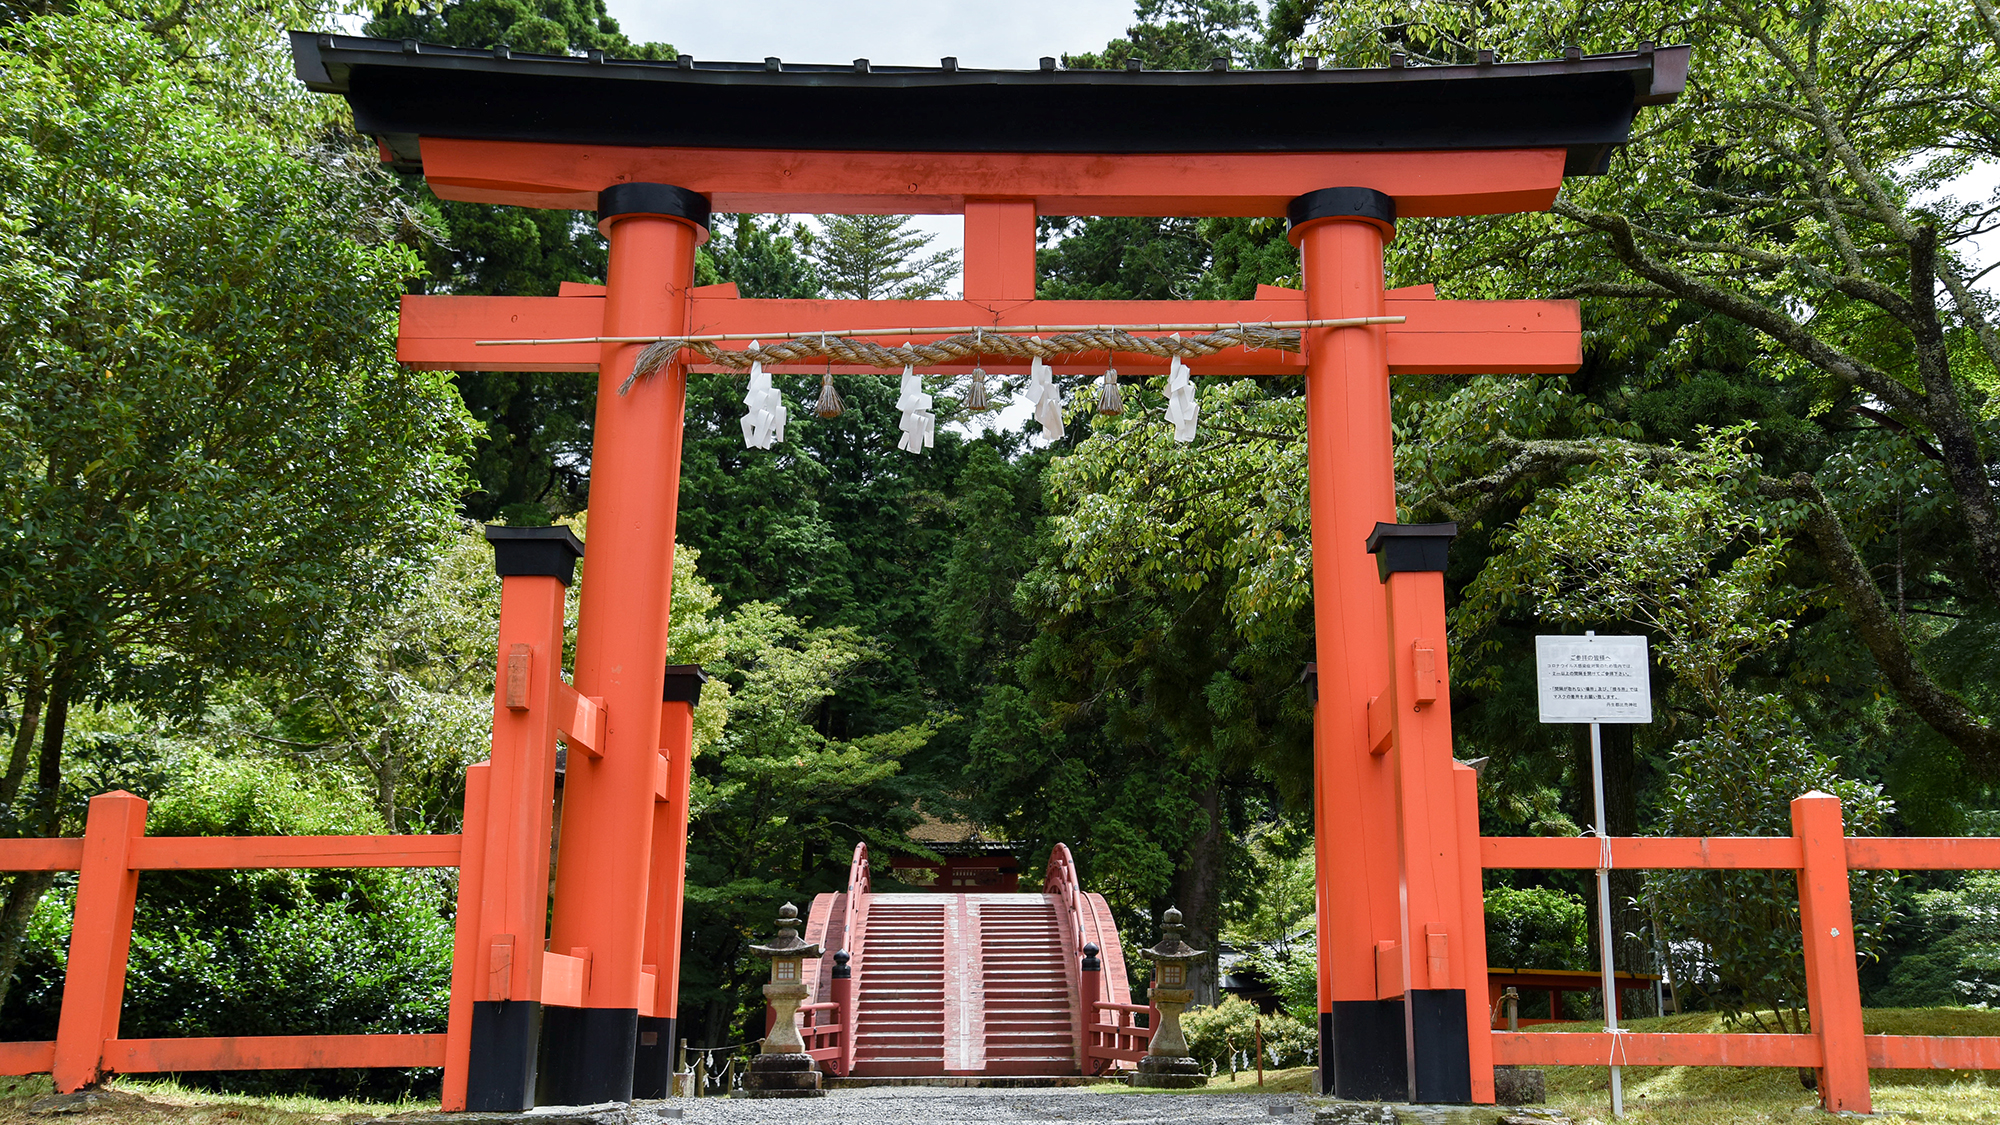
1297, 1080
166, 1102
1685, 1095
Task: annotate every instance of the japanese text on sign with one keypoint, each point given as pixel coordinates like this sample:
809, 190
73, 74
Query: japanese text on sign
1593, 680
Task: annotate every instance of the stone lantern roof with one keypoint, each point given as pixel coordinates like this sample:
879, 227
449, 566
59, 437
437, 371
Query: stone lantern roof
788, 943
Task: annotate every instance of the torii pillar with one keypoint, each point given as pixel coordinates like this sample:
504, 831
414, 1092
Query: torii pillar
604, 866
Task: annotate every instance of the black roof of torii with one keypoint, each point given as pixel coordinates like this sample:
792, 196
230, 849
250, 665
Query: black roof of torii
401, 90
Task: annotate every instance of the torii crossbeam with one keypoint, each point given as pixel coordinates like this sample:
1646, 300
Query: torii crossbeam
652, 147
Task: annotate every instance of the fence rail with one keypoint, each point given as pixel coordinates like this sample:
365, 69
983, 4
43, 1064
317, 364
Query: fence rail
108, 858
1822, 856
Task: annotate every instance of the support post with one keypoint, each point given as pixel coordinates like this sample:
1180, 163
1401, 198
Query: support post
1833, 984
602, 875
100, 938
652, 1062
504, 879
1340, 232
999, 249
846, 1016
1472, 895
1435, 945
1089, 990
465, 941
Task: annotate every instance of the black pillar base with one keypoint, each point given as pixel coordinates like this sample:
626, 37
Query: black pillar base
587, 1055
1325, 1055
500, 1072
1366, 1050
653, 1058
1438, 1037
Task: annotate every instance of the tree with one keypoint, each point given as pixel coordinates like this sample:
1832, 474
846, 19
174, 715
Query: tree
1801, 191
878, 257
210, 454
1739, 779
775, 802
1183, 35
532, 459
1156, 712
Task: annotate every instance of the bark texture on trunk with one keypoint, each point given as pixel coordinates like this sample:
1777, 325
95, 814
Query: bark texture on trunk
1197, 891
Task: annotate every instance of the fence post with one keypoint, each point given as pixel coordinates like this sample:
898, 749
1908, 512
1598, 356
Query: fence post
1472, 897
465, 938
100, 938
1833, 985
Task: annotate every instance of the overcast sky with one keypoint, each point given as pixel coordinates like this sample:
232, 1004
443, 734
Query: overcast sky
899, 32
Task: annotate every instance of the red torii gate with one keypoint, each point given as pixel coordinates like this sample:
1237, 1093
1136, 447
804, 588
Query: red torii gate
652, 147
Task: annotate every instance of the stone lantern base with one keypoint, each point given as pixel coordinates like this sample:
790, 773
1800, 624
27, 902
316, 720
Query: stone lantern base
782, 1076
1164, 1072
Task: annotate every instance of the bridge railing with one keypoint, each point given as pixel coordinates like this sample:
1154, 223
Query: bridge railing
1107, 1030
1115, 1035
108, 858
1823, 856
828, 1027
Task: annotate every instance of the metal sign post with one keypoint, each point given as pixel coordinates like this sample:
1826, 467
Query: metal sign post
1597, 680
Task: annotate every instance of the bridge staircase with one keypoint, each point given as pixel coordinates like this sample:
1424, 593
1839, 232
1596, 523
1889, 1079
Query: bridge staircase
955, 986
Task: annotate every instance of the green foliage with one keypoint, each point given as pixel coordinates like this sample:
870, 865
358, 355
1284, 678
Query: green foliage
763, 261
1535, 928
1278, 902
1227, 1029
776, 804
532, 461
1292, 971
1183, 35
1738, 779
547, 27
198, 323
263, 952
879, 258
1677, 549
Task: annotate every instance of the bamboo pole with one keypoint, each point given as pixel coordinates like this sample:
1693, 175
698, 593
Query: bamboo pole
954, 330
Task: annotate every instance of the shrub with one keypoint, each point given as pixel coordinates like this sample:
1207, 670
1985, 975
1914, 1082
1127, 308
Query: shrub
1535, 928
263, 952
1215, 1033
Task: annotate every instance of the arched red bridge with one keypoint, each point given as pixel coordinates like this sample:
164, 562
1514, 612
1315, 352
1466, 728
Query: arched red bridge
948, 983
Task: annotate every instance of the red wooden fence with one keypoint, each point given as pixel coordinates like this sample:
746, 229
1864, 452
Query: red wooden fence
108, 859
1822, 856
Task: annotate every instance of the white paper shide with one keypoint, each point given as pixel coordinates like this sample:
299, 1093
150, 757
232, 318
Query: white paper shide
919, 423
1047, 397
1182, 407
764, 413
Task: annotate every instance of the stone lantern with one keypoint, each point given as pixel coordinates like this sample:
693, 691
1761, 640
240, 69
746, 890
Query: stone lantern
1167, 1063
783, 1069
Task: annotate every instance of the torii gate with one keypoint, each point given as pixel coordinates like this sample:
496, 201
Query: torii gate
653, 146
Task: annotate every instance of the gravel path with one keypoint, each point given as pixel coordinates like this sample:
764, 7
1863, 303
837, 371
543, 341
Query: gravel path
930, 1105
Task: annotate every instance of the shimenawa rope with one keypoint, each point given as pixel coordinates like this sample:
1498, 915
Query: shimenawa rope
965, 346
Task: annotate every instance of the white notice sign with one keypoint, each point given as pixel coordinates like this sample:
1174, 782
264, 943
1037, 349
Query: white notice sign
1593, 680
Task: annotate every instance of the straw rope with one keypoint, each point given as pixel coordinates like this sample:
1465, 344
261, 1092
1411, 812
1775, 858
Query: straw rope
969, 345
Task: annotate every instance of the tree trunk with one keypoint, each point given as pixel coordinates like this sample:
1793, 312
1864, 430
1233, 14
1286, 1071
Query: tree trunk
48, 770
24, 742
386, 776
24, 893
1197, 891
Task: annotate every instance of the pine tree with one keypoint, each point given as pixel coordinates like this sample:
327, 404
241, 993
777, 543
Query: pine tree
878, 257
